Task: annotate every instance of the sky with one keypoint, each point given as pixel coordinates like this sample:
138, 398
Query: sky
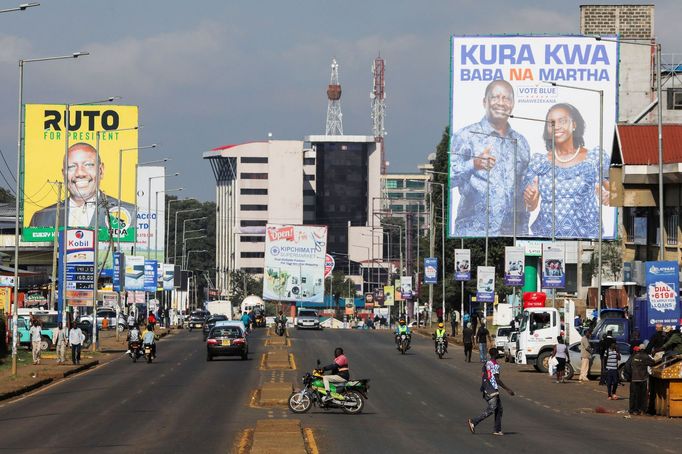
216, 72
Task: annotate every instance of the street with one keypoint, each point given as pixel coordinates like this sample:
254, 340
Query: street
417, 403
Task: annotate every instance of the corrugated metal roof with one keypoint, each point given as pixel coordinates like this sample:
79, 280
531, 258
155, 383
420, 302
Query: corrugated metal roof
639, 144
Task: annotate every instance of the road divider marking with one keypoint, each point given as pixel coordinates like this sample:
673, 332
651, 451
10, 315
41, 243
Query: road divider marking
244, 440
310, 441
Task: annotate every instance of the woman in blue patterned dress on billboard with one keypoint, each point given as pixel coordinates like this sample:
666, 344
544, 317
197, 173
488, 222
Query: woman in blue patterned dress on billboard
578, 186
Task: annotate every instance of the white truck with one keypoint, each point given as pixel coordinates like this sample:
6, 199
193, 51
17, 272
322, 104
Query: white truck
220, 307
538, 334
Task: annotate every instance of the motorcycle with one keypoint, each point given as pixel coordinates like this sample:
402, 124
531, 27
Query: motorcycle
148, 352
353, 391
134, 351
403, 343
260, 321
440, 347
280, 329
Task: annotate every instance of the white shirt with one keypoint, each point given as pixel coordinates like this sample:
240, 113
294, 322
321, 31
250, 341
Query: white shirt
35, 333
75, 336
80, 216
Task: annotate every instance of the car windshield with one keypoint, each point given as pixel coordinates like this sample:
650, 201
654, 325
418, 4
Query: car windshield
307, 314
215, 318
198, 314
226, 331
504, 332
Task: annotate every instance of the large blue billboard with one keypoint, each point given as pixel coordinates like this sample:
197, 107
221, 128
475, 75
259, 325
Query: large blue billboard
662, 285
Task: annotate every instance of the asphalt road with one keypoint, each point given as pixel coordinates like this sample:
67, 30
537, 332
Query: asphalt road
418, 403
179, 403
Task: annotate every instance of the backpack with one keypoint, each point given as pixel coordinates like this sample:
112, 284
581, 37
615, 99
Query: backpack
487, 388
627, 369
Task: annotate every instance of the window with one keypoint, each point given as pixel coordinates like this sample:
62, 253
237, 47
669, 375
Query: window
253, 207
252, 223
412, 184
254, 160
307, 177
252, 255
251, 239
674, 98
253, 176
308, 161
672, 221
253, 191
394, 184
395, 195
414, 195
252, 270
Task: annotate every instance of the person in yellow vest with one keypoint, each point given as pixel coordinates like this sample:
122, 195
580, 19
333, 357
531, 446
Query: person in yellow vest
440, 332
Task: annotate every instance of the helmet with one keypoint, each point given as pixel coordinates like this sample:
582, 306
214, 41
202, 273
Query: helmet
402, 321
440, 325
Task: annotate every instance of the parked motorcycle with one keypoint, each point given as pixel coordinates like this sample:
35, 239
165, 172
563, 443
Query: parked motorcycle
134, 351
440, 347
353, 392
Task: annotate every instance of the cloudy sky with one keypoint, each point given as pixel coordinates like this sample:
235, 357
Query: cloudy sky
215, 72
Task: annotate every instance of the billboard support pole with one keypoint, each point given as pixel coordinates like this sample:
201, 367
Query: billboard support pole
601, 177
96, 272
55, 243
553, 124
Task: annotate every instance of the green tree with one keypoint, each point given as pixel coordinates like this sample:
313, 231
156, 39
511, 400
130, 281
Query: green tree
6, 196
242, 285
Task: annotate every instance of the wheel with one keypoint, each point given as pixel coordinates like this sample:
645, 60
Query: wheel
149, 359
209, 357
190, 329
360, 403
300, 402
45, 343
621, 376
134, 358
542, 363
440, 355
570, 371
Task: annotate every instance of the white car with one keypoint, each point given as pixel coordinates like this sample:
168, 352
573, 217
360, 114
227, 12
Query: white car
501, 337
110, 315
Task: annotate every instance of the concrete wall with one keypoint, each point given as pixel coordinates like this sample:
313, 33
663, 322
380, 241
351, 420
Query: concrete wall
285, 182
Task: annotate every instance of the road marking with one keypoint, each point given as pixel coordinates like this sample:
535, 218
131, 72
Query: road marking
423, 403
441, 415
292, 361
488, 444
310, 440
546, 406
244, 439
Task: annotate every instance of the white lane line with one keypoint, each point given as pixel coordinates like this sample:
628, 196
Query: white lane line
488, 444
546, 406
423, 403
441, 415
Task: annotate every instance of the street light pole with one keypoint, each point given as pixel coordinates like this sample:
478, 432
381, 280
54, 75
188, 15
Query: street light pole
156, 224
149, 207
175, 236
21, 7
120, 178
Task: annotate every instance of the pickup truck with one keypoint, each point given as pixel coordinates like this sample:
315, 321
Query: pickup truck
47, 334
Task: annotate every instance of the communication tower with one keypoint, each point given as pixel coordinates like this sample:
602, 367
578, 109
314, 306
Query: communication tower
377, 96
334, 115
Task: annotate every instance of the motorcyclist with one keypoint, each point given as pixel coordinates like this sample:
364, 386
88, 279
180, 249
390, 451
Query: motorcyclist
340, 373
148, 338
133, 336
401, 329
246, 320
440, 332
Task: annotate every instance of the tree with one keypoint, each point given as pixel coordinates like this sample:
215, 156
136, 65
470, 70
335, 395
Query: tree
611, 260
340, 285
6, 196
243, 284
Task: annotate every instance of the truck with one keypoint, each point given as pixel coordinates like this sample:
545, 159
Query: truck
219, 307
540, 327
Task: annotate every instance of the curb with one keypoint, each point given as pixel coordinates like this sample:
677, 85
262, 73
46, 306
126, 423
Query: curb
25, 389
85, 366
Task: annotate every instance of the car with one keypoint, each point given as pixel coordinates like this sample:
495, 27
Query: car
573, 366
210, 323
510, 347
238, 323
197, 319
48, 323
502, 337
308, 318
227, 340
110, 315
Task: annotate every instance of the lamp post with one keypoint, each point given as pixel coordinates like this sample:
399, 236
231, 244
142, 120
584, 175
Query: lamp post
156, 226
184, 227
21, 7
17, 193
175, 236
185, 260
168, 206
149, 205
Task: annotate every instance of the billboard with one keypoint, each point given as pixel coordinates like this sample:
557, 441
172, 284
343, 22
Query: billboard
80, 267
431, 270
294, 262
406, 287
328, 265
43, 160
514, 258
151, 230
485, 284
462, 264
553, 266
397, 291
134, 278
389, 295
151, 277
662, 291
168, 276
118, 280
503, 147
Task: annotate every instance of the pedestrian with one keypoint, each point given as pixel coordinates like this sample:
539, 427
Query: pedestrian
560, 352
454, 321
468, 339
673, 344
466, 318
483, 338
604, 346
62, 341
657, 339
490, 387
474, 321
586, 351
612, 360
76, 338
131, 320
36, 340
152, 319
638, 368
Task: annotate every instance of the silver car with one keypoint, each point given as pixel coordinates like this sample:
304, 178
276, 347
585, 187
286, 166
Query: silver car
573, 366
308, 318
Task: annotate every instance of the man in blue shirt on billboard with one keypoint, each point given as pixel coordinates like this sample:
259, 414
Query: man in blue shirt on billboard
485, 151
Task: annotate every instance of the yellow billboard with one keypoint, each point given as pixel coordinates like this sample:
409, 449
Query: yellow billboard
46, 162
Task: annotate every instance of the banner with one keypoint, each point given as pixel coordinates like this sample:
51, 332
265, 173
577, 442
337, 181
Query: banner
379, 296
119, 272
168, 276
431, 270
150, 276
151, 230
514, 258
44, 159
294, 263
397, 291
662, 285
462, 264
134, 279
485, 284
553, 266
389, 295
328, 265
497, 158
6, 281
406, 287
369, 300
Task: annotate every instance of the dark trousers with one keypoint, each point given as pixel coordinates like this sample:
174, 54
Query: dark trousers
611, 381
638, 397
467, 351
76, 354
494, 406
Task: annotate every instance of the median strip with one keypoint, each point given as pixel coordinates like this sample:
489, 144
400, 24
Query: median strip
277, 360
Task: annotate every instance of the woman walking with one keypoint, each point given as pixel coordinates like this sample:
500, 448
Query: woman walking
560, 352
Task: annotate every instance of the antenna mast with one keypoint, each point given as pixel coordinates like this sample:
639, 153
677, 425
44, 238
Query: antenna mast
377, 96
334, 115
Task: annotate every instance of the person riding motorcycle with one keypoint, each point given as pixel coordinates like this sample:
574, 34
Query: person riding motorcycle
401, 329
281, 318
440, 332
340, 374
133, 336
148, 338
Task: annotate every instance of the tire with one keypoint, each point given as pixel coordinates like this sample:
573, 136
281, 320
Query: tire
209, 357
360, 403
149, 359
621, 377
570, 371
542, 362
299, 402
245, 356
440, 355
45, 344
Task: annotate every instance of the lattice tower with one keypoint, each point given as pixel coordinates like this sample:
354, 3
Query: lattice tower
334, 115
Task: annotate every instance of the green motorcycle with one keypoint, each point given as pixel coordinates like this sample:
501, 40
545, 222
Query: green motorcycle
353, 393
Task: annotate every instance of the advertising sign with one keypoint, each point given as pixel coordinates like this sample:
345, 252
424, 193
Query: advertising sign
430, 270
406, 287
328, 265
379, 296
369, 300
44, 159
151, 231
553, 266
6, 281
397, 292
462, 264
119, 272
80, 266
134, 279
662, 285
534, 299
294, 262
168, 276
151, 277
389, 295
514, 258
485, 284
493, 77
